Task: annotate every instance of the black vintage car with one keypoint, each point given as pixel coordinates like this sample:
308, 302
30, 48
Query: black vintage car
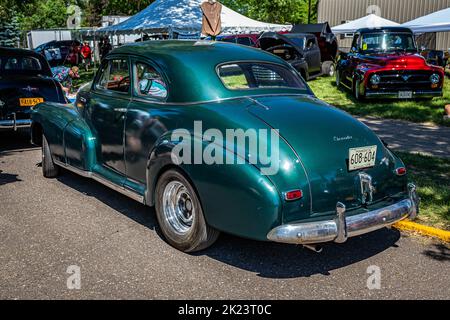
25, 80
61, 52
301, 50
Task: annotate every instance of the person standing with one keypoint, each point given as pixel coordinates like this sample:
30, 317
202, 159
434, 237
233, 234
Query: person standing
86, 55
105, 48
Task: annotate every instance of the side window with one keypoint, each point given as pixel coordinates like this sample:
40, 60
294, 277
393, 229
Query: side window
310, 43
244, 41
115, 76
149, 83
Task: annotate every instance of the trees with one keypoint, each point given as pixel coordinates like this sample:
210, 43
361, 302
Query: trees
275, 11
9, 25
9, 31
44, 14
95, 9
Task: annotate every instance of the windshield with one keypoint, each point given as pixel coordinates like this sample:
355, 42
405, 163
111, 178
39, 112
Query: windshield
300, 42
387, 42
254, 75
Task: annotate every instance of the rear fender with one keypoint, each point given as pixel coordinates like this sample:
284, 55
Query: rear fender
235, 199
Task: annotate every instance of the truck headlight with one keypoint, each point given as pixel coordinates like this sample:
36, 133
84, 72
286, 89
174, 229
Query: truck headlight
375, 79
435, 78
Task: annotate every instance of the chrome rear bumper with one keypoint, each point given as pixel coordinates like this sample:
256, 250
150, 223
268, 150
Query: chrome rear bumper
341, 227
15, 124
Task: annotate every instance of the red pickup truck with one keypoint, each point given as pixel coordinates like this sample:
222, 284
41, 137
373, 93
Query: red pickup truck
385, 63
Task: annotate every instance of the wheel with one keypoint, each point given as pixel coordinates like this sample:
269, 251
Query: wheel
305, 75
180, 215
338, 80
358, 95
49, 168
328, 68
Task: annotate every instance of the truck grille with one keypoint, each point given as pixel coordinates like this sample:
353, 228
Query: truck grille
405, 80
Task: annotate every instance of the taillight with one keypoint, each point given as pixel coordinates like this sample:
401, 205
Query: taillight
400, 171
293, 195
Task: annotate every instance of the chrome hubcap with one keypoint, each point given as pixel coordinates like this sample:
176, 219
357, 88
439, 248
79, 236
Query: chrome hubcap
178, 207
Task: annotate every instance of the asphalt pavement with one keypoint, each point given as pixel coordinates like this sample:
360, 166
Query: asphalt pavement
51, 226
423, 138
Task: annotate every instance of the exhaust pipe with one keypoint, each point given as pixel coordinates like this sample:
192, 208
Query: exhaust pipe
312, 247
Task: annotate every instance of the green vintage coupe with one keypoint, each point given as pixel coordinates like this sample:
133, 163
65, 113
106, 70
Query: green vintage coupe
224, 138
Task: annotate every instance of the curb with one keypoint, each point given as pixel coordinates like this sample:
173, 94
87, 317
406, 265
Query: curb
424, 230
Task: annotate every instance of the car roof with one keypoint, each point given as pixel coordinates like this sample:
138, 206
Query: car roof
178, 50
4, 51
192, 64
384, 29
241, 35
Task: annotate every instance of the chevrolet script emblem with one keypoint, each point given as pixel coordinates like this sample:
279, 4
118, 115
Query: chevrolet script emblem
29, 89
367, 188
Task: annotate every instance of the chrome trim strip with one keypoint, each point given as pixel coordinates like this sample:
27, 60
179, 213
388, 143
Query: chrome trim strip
342, 227
221, 99
92, 175
394, 94
83, 173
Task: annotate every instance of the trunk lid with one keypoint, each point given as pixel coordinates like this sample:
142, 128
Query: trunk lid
13, 88
322, 136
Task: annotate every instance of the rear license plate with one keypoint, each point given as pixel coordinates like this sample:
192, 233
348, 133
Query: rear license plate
30, 102
361, 158
405, 95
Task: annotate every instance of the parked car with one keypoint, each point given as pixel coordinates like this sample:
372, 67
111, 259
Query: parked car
327, 41
335, 177
25, 80
434, 57
301, 50
61, 52
250, 40
384, 63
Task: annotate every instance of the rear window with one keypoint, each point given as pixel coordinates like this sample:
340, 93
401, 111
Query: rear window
251, 75
18, 63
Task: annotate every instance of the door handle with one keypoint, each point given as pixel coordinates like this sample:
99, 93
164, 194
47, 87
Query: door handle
123, 110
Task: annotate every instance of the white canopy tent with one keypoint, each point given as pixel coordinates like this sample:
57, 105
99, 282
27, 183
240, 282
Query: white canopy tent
438, 21
184, 16
369, 21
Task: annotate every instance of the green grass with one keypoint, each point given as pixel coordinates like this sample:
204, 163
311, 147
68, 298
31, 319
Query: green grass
432, 177
84, 77
415, 111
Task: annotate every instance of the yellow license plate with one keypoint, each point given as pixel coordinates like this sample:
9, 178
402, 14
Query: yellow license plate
30, 102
